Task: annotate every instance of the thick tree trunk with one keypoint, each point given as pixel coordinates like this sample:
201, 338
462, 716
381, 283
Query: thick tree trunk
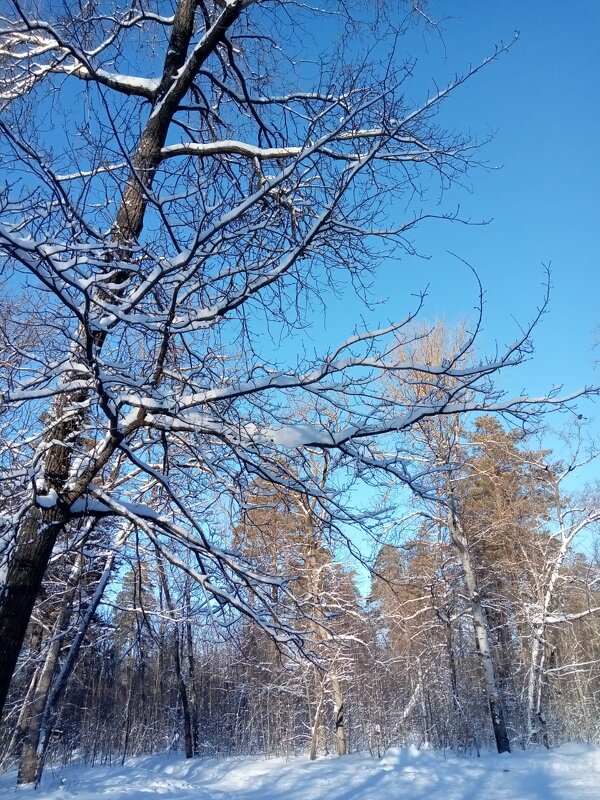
36, 536
28, 563
13, 745
42, 525
30, 732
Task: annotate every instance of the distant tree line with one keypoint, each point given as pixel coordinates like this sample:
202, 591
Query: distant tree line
124, 655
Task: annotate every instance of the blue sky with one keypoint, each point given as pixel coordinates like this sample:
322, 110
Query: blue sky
541, 191
541, 102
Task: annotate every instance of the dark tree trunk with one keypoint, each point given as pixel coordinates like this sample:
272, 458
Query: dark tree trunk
28, 564
482, 637
191, 664
32, 724
41, 526
341, 743
183, 695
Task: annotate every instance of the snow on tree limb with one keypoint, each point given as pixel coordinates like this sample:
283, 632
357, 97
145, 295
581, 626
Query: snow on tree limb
147, 392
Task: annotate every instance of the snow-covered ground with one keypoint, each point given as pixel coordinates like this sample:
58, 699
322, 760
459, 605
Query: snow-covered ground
570, 773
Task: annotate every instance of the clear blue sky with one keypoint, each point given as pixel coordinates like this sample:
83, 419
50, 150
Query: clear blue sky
542, 102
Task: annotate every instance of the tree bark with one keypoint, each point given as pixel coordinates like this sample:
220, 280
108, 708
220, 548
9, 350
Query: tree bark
183, 694
324, 635
191, 666
338, 712
482, 638
316, 726
30, 731
41, 526
27, 567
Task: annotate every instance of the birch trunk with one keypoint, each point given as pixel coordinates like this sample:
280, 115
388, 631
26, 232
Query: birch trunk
482, 638
324, 635
316, 726
338, 712
536, 720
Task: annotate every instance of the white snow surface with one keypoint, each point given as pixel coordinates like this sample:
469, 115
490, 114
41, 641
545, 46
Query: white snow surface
571, 772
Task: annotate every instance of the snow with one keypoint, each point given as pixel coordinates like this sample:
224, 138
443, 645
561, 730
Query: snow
297, 435
572, 772
232, 146
129, 82
47, 500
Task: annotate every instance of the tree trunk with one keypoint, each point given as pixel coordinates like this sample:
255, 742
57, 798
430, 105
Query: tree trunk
338, 711
183, 694
27, 566
38, 532
482, 638
14, 743
60, 682
316, 726
30, 732
191, 666
324, 635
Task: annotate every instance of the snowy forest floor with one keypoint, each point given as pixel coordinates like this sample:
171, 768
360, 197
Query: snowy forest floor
572, 772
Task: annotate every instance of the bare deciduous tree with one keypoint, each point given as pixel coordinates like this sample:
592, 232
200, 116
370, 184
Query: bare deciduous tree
163, 221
